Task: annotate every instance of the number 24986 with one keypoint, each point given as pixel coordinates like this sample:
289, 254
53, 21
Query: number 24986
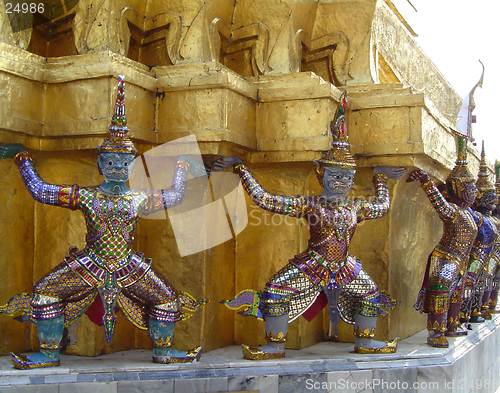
25, 8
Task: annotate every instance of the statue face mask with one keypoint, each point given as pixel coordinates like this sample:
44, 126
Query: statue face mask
469, 192
487, 199
338, 181
116, 167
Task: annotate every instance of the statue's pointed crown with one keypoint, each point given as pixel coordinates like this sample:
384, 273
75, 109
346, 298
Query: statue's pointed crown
461, 172
483, 178
118, 141
497, 177
339, 155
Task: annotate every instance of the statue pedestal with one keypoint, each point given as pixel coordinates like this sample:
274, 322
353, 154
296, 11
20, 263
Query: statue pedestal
471, 363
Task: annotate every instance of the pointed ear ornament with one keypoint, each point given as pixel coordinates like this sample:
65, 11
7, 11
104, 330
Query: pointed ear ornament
319, 170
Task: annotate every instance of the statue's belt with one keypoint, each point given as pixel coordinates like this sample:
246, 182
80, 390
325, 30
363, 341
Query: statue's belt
323, 272
93, 270
459, 259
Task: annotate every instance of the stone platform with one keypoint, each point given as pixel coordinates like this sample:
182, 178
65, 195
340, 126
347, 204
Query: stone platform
471, 364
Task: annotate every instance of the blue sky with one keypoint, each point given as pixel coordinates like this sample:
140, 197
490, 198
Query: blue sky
455, 34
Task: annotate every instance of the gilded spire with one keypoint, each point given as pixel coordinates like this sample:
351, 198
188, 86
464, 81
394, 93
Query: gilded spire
472, 104
465, 118
460, 172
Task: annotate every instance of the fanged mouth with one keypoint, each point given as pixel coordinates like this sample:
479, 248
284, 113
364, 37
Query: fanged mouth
119, 174
469, 198
335, 185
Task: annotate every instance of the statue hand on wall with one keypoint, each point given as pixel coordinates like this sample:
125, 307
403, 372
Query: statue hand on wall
9, 150
391, 172
226, 162
196, 167
417, 175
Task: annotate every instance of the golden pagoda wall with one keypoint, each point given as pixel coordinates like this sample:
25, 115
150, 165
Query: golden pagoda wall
17, 250
260, 81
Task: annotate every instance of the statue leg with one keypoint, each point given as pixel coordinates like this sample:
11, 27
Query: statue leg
473, 293
436, 327
287, 287
494, 291
466, 306
276, 330
489, 283
360, 302
364, 331
492, 306
49, 319
443, 279
51, 294
275, 311
485, 313
477, 302
165, 305
333, 312
161, 333
454, 328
